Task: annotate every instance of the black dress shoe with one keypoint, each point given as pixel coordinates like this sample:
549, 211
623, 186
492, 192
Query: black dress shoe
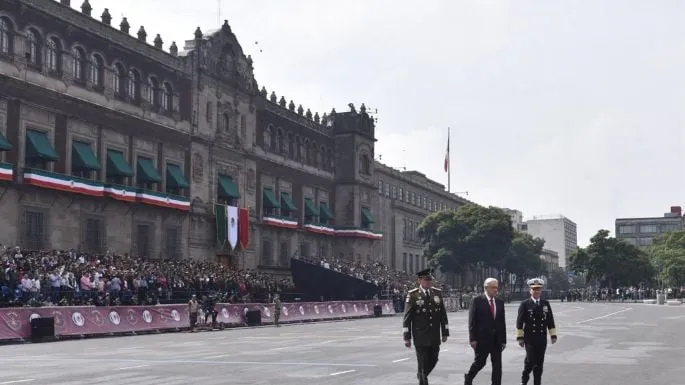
467, 380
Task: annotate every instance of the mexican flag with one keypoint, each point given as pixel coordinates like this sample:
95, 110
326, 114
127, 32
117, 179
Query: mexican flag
226, 224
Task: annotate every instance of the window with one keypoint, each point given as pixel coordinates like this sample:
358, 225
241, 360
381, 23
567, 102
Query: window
133, 85
143, 236
304, 250
380, 186
6, 36
209, 112
153, 92
404, 229
645, 229
645, 241
167, 97
632, 241
119, 80
413, 198
35, 225
172, 243
406, 196
54, 55
404, 262
401, 194
226, 122
425, 202
411, 263
77, 65
33, 47
669, 227
267, 254
387, 189
93, 239
284, 254
243, 128
626, 229
97, 70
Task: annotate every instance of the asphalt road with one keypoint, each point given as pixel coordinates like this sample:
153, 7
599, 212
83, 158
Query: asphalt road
599, 344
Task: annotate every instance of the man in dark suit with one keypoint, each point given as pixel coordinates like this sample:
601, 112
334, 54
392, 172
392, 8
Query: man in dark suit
487, 332
425, 318
534, 319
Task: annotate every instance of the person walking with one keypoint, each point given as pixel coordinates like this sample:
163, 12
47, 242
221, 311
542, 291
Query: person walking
534, 319
425, 319
487, 332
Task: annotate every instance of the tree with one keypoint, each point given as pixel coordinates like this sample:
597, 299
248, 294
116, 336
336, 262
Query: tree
523, 258
558, 281
612, 262
667, 253
472, 236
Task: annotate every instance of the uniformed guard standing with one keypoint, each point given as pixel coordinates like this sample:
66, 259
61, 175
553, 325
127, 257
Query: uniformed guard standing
425, 318
277, 310
534, 319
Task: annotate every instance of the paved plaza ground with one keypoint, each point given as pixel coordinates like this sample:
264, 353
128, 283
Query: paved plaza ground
598, 344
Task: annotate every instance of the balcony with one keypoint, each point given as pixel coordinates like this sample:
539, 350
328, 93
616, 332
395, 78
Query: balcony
6, 171
280, 221
155, 198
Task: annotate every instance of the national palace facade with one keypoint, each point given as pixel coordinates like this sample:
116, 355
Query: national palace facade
113, 140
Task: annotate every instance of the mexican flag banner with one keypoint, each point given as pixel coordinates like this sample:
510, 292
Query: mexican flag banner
226, 224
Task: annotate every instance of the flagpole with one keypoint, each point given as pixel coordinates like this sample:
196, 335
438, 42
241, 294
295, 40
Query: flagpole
449, 163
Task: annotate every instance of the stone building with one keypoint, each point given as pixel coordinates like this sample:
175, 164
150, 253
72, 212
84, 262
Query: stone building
405, 198
109, 142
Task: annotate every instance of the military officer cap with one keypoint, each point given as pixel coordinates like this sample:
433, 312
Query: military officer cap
425, 274
535, 282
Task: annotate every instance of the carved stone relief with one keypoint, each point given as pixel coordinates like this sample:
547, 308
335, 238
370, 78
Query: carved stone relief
308, 191
198, 168
285, 185
364, 196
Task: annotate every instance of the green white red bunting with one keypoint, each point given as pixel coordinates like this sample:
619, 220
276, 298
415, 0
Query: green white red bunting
75, 185
325, 230
287, 223
6, 171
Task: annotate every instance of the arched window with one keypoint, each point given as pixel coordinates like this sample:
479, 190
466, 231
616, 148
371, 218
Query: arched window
280, 140
97, 70
314, 149
267, 138
331, 160
77, 66
54, 54
291, 145
167, 97
365, 164
226, 122
6, 36
119, 80
33, 46
153, 91
133, 85
243, 126
324, 157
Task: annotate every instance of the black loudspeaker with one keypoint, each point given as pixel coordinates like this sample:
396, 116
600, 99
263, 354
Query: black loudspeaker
378, 310
43, 329
254, 318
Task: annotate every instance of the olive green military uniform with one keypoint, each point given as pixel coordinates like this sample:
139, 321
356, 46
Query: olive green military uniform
534, 319
425, 318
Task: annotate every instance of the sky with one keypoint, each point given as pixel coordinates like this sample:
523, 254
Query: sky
555, 107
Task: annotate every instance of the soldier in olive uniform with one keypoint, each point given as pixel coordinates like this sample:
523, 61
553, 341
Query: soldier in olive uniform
425, 318
534, 319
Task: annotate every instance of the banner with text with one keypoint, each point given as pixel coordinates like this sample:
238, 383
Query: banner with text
15, 323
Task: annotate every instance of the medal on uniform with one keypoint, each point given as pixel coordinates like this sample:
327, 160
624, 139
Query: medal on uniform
545, 309
436, 299
419, 302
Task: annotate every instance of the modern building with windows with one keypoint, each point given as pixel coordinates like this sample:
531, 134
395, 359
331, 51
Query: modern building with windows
110, 140
560, 234
642, 231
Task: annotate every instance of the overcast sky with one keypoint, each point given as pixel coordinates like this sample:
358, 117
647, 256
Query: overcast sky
571, 107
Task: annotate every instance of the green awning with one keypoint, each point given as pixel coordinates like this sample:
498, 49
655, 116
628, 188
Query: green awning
367, 218
83, 157
117, 165
175, 178
270, 199
38, 146
325, 212
4, 144
287, 202
309, 208
147, 171
227, 188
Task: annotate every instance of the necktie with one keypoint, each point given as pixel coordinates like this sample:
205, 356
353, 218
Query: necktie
492, 307
428, 293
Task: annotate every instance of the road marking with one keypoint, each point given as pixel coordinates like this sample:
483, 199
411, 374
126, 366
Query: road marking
133, 367
605, 316
445, 350
401, 359
131, 348
577, 308
17, 381
219, 356
343, 372
183, 361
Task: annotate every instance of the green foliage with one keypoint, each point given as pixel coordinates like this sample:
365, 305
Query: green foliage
667, 253
612, 262
558, 281
476, 236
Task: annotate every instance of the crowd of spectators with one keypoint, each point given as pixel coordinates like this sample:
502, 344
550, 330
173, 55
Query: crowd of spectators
61, 278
